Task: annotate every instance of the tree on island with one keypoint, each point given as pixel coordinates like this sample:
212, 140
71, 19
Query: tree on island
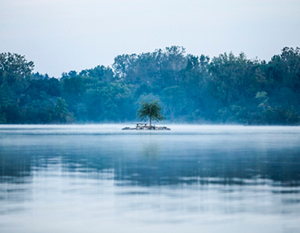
151, 110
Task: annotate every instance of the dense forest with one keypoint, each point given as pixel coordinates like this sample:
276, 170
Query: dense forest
196, 89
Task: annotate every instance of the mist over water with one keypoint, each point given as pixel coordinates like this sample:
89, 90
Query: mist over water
97, 178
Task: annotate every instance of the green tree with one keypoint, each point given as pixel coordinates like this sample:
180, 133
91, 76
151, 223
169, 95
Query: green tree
174, 100
117, 102
151, 110
15, 72
14, 68
61, 113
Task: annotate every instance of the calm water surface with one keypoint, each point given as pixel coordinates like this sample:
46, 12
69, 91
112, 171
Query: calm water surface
97, 178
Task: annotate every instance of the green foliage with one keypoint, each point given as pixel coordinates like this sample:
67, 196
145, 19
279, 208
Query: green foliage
174, 100
14, 68
151, 110
117, 100
224, 89
60, 112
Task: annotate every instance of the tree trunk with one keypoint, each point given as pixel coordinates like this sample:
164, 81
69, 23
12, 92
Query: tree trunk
150, 122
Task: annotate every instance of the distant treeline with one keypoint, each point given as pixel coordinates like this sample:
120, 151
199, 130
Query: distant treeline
224, 89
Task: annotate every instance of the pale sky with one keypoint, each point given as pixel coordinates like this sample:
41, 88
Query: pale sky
63, 35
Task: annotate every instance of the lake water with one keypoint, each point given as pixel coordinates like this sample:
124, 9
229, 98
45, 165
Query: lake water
97, 178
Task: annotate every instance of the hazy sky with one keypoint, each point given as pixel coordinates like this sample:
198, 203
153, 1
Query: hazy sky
64, 35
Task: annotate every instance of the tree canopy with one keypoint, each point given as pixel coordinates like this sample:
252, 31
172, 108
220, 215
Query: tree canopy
190, 88
150, 110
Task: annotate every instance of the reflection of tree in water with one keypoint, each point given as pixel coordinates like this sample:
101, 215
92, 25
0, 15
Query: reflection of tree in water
150, 146
211, 167
15, 166
152, 161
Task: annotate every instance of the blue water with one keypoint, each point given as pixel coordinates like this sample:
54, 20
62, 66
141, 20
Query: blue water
97, 178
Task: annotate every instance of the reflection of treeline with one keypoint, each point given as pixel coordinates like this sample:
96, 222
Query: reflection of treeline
14, 166
216, 166
224, 89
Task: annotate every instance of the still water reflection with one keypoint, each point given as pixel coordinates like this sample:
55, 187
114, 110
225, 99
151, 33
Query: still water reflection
97, 178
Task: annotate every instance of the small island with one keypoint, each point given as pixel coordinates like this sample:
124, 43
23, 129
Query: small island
145, 127
151, 110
